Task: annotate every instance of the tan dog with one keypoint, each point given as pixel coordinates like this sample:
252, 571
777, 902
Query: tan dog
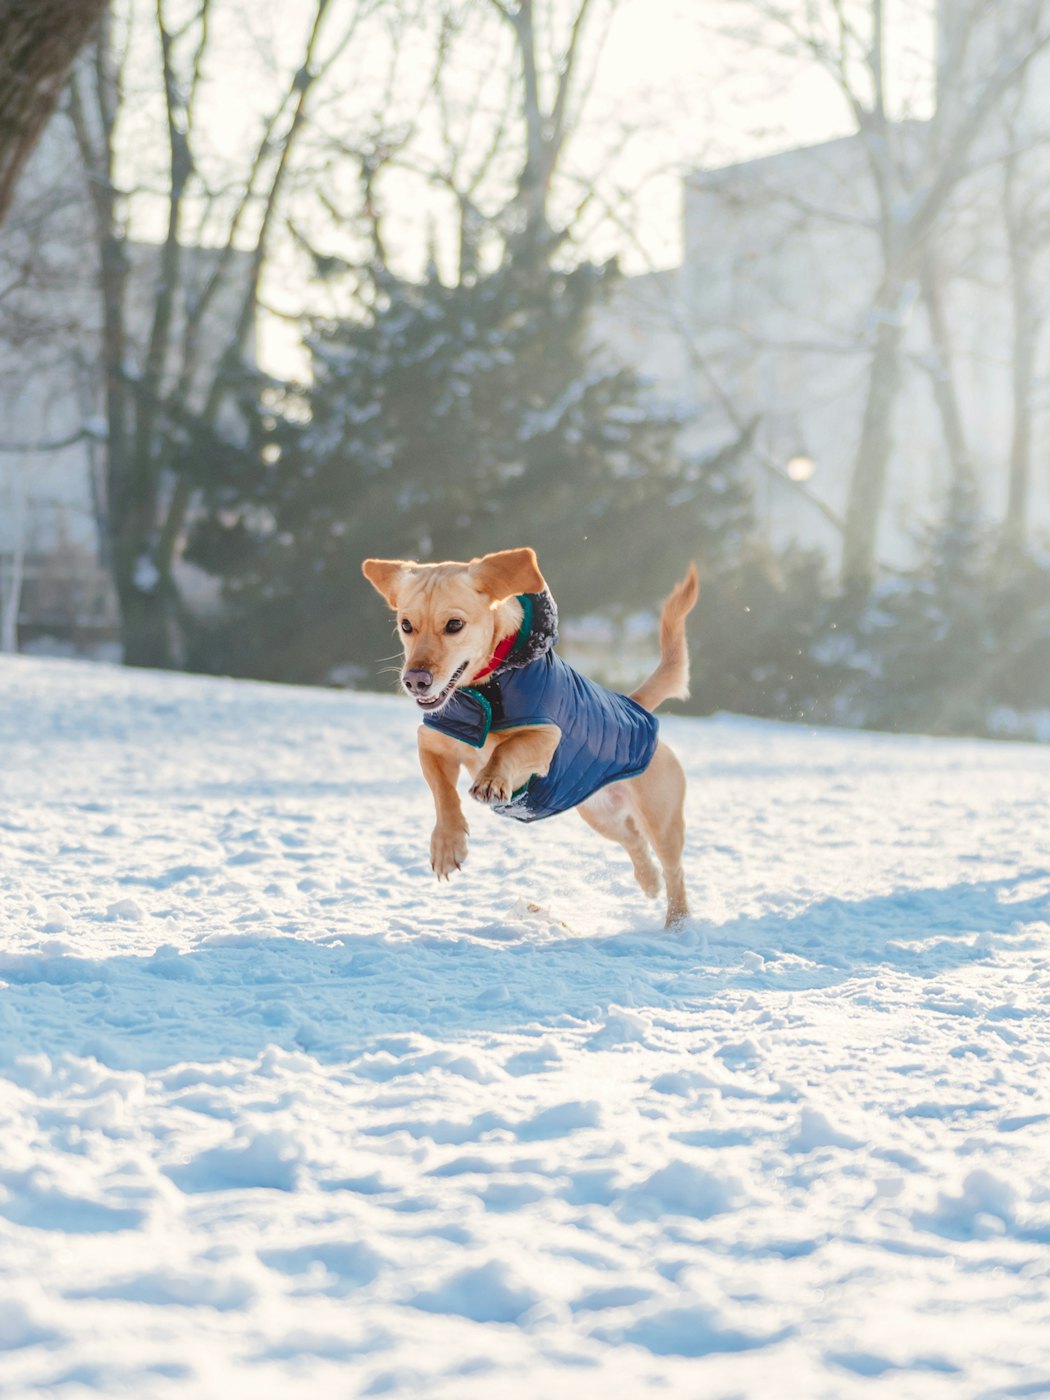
460, 623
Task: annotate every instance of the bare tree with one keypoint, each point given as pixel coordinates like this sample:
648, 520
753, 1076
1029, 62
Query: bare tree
1025, 215
547, 125
47, 349
483, 131
12, 576
178, 319
914, 169
998, 221
941, 366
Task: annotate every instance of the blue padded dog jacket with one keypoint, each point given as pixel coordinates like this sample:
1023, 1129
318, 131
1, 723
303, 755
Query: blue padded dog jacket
605, 737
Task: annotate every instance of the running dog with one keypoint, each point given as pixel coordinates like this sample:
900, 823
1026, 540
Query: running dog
536, 737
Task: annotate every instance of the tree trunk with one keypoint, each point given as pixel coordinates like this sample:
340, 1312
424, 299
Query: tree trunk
11, 594
39, 40
1022, 364
1015, 523
546, 131
145, 590
945, 391
871, 462
150, 622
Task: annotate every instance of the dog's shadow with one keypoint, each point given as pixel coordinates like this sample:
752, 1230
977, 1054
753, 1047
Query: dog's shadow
336, 1000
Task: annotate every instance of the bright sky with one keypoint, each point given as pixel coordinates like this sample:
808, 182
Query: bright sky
711, 100
671, 91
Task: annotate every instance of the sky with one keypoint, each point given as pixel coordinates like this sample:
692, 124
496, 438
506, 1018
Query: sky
670, 89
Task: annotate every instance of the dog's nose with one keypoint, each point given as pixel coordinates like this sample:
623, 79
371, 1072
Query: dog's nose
417, 682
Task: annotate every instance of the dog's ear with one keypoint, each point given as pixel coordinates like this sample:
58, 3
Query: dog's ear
506, 573
386, 576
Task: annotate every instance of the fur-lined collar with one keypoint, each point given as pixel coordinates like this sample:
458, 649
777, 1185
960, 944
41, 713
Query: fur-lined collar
536, 635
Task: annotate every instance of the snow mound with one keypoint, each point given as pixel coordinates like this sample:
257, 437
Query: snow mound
487, 1293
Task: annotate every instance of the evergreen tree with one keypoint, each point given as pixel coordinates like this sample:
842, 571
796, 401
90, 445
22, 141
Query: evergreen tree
768, 639
961, 634
448, 422
1017, 675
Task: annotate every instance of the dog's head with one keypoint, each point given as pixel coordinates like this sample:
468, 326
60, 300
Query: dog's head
449, 615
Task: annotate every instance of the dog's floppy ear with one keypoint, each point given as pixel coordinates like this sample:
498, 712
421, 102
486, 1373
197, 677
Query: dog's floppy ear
506, 573
386, 576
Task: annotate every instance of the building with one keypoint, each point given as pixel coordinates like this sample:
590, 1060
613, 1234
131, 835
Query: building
770, 318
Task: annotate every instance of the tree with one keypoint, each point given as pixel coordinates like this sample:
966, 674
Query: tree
1025, 218
475, 154
13, 576
454, 419
48, 325
915, 168
39, 41
771, 639
934, 285
955, 641
173, 375
546, 128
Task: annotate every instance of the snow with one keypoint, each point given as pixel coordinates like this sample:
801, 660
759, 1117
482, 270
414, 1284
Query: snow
280, 1115
146, 575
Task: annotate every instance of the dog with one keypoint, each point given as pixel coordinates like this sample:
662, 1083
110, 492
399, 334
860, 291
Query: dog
536, 737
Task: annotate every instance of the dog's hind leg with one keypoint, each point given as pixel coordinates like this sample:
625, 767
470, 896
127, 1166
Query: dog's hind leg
609, 813
659, 795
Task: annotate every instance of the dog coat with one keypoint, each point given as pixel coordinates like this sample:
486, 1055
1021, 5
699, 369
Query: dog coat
605, 737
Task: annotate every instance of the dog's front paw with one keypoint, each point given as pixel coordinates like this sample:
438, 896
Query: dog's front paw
491, 789
448, 850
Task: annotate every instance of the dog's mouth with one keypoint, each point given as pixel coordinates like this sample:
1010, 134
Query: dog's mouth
434, 702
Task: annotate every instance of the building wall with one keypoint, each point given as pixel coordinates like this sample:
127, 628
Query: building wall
799, 267
771, 309
770, 314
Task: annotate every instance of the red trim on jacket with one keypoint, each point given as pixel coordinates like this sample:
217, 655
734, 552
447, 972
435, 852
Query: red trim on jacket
503, 650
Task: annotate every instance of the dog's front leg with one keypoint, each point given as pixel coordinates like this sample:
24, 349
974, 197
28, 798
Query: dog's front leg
519, 755
439, 759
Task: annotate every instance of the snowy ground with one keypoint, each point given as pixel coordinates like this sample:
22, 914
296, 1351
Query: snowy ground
281, 1117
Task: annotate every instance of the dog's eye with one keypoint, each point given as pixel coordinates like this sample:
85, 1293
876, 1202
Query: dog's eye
454, 624
406, 626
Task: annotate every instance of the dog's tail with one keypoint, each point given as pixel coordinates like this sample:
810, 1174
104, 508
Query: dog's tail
670, 680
